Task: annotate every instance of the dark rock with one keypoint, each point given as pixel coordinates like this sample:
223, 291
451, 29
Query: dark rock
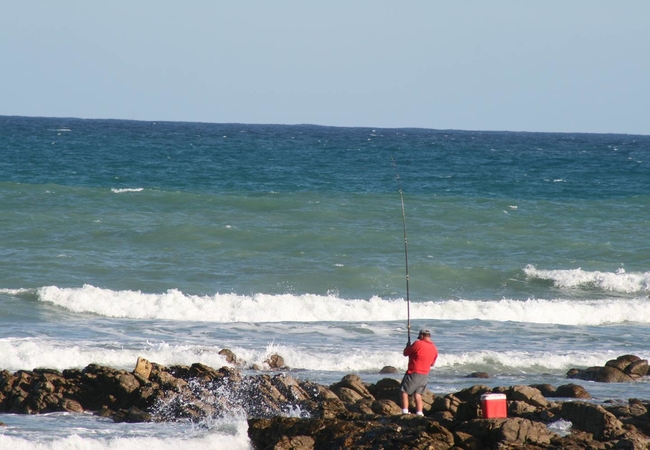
347, 395
572, 391
385, 407
275, 361
528, 394
395, 432
466, 441
352, 414
512, 430
622, 361
289, 388
588, 374
478, 375
448, 403
317, 391
351, 382
231, 358
632, 440
593, 419
68, 404
386, 388
388, 369
625, 368
203, 372
131, 415
610, 374
519, 408
127, 383
330, 408
467, 411
637, 369
546, 389
473, 393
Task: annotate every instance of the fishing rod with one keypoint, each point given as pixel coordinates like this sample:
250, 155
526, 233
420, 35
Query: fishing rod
406, 253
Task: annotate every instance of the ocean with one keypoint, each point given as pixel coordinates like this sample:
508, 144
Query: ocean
528, 255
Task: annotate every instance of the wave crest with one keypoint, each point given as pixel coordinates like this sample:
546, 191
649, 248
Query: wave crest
619, 281
260, 308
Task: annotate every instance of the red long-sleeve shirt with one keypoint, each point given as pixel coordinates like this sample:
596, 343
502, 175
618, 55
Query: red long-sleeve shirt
422, 355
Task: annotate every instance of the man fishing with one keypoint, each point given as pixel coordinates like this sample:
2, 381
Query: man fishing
422, 356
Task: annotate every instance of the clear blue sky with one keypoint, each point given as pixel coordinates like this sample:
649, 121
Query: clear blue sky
552, 65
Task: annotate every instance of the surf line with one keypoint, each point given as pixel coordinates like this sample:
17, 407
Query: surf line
406, 252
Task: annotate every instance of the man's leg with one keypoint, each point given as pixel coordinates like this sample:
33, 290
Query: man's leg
405, 402
418, 403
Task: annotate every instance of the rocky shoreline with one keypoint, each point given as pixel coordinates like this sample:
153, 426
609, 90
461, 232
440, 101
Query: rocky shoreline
286, 413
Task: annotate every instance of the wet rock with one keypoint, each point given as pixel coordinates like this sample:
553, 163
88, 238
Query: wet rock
588, 374
351, 382
625, 368
610, 374
70, 405
203, 372
572, 391
127, 383
169, 381
231, 358
275, 361
131, 415
473, 393
393, 432
385, 407
386, 389
528, 394
622, 362
519, 408
317, 391
637, 369
352, 414
290, 388
547, 390
142, 368
330, 408
295, 443
593, 419
388, 369
478, 375
448, 403
511, 431
348, 395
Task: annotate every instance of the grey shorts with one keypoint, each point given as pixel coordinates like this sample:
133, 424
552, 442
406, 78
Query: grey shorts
413, 383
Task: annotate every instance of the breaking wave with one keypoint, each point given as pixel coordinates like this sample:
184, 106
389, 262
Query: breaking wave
22, 353
619, 281
260, 308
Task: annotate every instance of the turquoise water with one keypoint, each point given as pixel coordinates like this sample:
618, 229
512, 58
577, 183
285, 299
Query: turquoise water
528, 252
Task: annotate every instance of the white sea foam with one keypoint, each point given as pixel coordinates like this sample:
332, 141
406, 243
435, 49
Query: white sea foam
483, 360
561, 427
521, 361
619, 281
228, 308
28, 353
122, 191
15, 291
104, 441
